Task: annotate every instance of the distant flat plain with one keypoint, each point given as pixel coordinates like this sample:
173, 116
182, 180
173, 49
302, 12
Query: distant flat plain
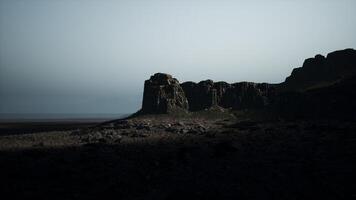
30, 123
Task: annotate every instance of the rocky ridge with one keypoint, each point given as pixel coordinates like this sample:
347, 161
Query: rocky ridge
322, 71
164, 94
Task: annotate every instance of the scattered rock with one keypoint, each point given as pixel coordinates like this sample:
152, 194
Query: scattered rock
123, 124
103, 136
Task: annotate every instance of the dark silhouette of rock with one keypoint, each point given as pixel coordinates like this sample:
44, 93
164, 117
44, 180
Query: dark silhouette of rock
221, 88
247, 95
163, 94
322, 86
336, 101
320, 71
206, 94
200, 95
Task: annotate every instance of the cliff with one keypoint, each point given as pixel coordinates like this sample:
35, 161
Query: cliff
321, 84
322, 71
164, 94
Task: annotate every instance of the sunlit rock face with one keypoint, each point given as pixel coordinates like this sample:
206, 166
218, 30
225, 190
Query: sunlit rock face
163, 94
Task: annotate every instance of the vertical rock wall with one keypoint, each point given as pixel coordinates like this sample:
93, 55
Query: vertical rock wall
163, 94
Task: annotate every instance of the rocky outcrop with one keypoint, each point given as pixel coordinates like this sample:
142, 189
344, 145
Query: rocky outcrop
324, 87
317, 86
206, 94
247, 95
163, 94
322, 71
200, 95
336, 101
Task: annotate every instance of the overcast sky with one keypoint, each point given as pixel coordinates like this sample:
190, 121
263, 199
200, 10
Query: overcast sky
92, 56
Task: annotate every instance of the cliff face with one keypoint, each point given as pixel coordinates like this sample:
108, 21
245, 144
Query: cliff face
164, 94
243, 95
322, 71
200, 96
322, 83
324, 87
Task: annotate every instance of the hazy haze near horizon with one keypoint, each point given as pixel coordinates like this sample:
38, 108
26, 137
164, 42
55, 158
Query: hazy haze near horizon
92, 56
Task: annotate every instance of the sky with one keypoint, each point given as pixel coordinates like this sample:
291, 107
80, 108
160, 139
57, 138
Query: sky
92, 56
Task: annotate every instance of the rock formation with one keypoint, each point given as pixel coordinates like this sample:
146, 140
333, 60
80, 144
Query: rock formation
206, 94
322, 71
163, 94
321, 84
200, 96
322, 87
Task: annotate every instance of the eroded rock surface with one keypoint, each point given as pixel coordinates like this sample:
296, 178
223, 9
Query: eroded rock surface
200, 95
163, 94
243, 95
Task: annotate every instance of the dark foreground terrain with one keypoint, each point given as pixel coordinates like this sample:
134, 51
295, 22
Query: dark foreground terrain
162, 157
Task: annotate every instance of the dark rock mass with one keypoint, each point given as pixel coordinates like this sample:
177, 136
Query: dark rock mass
322, 71
206, 94
247, 95
200, 96
322, 86
163, 94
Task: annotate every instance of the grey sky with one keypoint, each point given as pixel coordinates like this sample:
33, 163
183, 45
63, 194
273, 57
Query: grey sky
86, 56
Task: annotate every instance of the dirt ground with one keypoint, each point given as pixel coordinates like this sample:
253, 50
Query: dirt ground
168, 158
